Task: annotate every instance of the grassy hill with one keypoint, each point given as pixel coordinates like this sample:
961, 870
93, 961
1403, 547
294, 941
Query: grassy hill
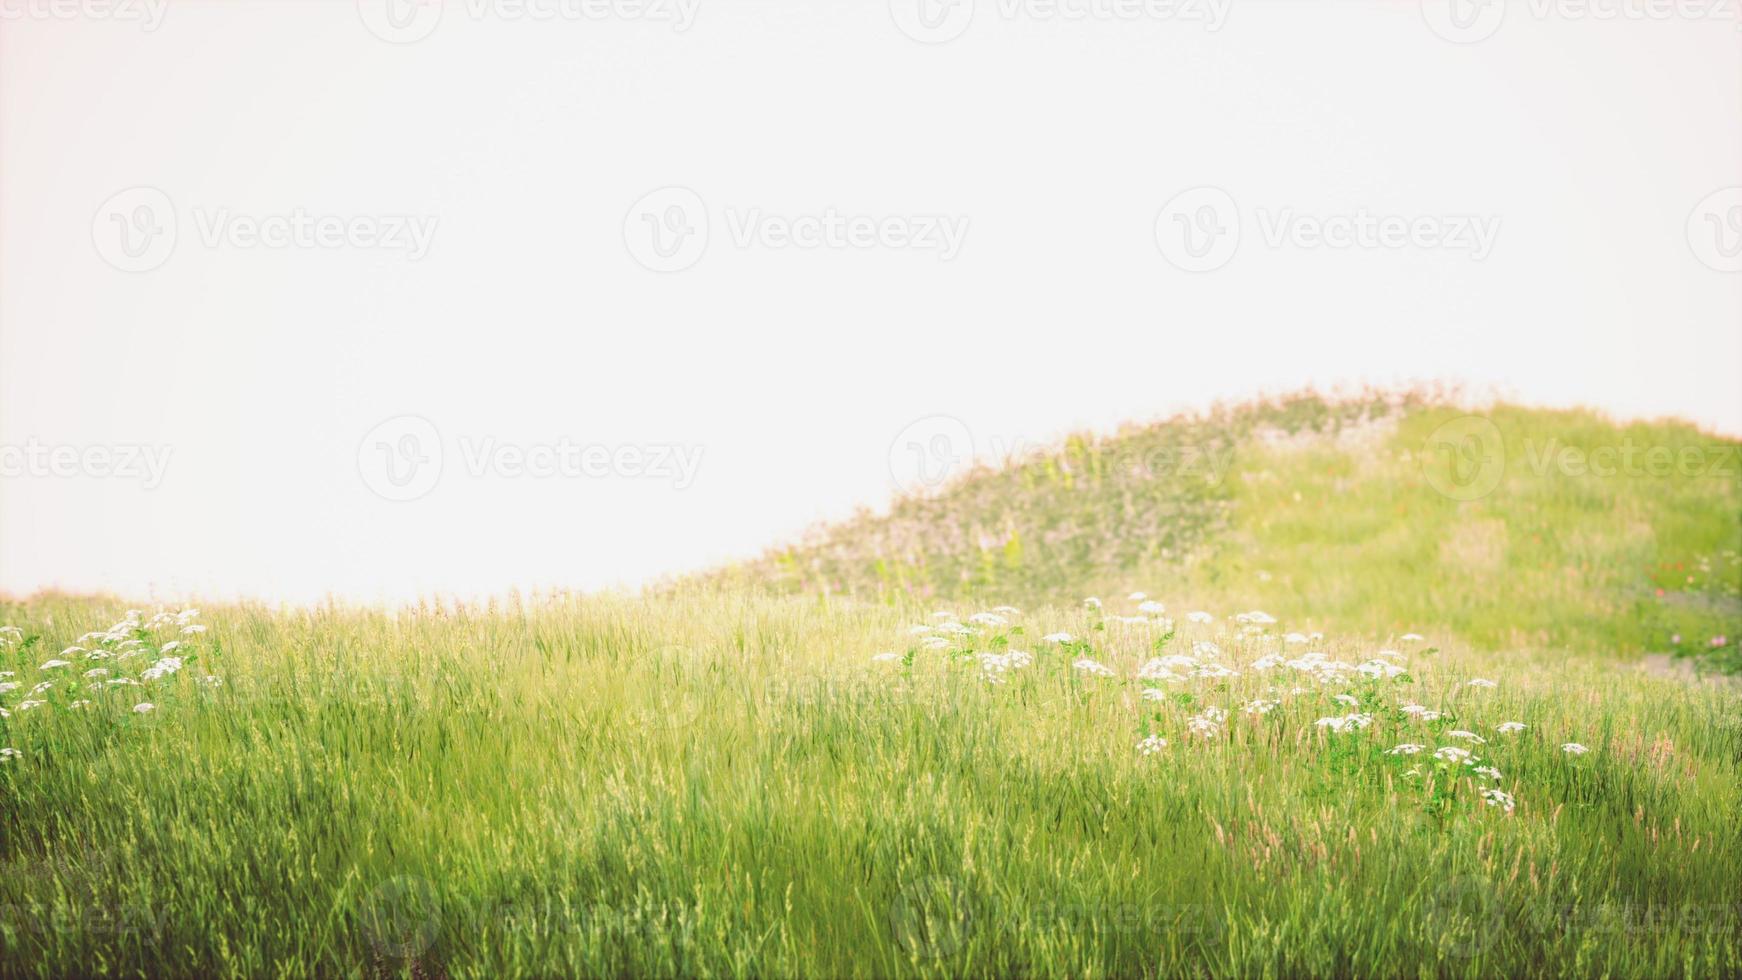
1346, 514
1432, 754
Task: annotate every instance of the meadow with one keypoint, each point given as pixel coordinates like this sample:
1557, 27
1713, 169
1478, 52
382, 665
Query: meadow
1093, 713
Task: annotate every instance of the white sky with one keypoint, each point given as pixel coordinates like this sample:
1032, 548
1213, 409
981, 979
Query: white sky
532, 144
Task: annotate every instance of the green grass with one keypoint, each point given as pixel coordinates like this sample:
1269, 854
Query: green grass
720, 780
708, 786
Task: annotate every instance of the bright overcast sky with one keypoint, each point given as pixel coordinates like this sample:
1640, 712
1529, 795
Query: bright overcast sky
379, 300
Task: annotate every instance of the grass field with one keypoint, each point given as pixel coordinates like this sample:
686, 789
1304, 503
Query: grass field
848, 759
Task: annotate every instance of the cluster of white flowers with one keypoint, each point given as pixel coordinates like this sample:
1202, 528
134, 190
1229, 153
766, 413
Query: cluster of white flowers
105, 653
1354, 685
1345, 723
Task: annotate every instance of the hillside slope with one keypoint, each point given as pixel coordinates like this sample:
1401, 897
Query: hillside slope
1386, 513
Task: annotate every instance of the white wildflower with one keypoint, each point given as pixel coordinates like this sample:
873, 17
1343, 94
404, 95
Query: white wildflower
143, 707
1509, 727
1407, 748
1574, 748
1093, 667
1499, 798
1152, 745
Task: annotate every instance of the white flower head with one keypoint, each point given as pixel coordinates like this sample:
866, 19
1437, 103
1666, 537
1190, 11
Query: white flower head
1094, 668
1200, 617
1482, 682
1499, 798
1510, 727
144, 707
1574, 748
1152, 744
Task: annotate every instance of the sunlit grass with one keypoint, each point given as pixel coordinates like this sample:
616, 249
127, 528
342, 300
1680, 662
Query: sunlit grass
707, 785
